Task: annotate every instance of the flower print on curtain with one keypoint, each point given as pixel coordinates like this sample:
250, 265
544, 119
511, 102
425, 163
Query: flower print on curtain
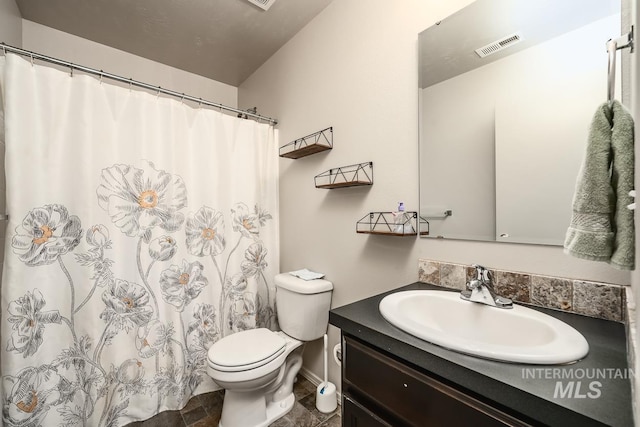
139, 199
28, 322
134, 244
205, 237
45, 234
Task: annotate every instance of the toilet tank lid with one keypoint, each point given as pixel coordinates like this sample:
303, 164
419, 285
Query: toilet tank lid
295, 284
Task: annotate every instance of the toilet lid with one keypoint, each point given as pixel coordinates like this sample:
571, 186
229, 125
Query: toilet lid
246, 350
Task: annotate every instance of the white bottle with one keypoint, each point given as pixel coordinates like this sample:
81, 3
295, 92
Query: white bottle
399, 219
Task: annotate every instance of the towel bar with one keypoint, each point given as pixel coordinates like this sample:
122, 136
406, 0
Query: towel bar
624, 41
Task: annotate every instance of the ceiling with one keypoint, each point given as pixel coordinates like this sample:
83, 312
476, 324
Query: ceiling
447, 49
224, 40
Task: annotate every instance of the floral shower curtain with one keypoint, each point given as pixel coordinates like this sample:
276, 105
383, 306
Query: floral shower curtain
141, 231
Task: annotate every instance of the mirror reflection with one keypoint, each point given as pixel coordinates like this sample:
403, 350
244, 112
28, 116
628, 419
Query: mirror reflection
507, 91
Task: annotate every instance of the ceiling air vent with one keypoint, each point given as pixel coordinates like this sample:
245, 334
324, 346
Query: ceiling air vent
499, 45
262, 4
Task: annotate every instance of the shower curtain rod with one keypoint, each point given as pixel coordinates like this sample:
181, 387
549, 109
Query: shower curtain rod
7, 48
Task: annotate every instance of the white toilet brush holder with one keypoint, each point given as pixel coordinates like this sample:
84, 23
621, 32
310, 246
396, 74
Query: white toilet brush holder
326, 400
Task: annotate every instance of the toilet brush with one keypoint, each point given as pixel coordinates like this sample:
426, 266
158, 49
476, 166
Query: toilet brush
326, 392
324, 384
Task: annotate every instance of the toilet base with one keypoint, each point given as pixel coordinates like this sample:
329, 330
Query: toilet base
275, 410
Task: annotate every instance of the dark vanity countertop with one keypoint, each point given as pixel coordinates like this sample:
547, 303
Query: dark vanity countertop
526, 389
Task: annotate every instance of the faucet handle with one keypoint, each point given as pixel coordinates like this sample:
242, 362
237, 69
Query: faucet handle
480, 271
487, 276
483, 274
479, 280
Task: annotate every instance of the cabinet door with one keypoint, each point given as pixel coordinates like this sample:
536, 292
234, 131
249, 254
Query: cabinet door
356, 415
412, 398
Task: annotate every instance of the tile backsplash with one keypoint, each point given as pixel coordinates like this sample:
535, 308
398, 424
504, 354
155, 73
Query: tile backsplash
595, 299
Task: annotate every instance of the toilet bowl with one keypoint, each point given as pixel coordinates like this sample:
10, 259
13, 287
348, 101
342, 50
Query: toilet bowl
257, 367
251, 367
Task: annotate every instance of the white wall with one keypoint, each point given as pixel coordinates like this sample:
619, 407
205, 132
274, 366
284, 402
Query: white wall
51, 42
354, 67
10, 23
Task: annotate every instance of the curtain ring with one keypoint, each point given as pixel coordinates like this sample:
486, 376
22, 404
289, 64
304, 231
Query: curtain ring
4, 49
158, 93
130, 83
182, 99
31, 55
101, 75
71, 73
200, 103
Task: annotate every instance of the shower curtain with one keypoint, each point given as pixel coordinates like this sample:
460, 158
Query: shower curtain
141, 231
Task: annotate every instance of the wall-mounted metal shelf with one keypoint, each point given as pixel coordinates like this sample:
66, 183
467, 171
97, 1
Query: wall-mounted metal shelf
346, 176
310, 144
424, 226
389, 223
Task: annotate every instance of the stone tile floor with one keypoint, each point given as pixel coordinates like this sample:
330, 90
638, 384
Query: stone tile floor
205, 410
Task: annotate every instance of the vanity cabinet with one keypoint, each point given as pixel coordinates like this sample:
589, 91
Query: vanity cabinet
379, 390
356, 415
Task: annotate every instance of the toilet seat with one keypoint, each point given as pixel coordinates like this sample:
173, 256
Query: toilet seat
246, 350
249, 355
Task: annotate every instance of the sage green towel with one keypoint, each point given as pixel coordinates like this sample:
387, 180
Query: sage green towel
622, 180
602, 228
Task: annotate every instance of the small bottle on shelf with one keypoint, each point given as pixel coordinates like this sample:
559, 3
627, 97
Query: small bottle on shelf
399, 219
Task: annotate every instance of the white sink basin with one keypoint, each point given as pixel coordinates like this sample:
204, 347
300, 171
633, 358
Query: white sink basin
520, 334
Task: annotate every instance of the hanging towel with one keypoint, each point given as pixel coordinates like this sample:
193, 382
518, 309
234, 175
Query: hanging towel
622, 180
601, 228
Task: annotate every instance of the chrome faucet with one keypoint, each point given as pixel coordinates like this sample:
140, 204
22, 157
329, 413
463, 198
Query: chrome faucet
481, 290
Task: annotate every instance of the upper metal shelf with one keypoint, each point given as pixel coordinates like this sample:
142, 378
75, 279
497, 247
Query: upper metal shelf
310, 144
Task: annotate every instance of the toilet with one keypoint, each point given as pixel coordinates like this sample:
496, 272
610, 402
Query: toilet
257, 367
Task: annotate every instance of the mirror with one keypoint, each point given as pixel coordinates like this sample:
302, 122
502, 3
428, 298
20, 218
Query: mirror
503, 131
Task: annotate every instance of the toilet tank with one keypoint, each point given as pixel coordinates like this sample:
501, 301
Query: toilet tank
303, 306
